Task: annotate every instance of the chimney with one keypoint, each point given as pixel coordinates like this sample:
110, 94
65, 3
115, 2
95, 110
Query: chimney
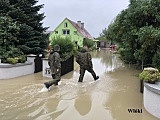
79, 23
82, 26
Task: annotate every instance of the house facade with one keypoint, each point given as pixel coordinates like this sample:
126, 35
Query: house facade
75, 31
103, 44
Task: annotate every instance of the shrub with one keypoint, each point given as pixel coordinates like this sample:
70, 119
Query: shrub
149, 74
127, 55
11, 53
12, 60
21, 59
88, 42
66, 46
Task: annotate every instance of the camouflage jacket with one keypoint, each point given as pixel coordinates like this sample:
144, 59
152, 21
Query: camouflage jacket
84, 59
54, 62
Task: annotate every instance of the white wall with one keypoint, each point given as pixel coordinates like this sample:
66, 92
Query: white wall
11, 71
151, 99
46, 69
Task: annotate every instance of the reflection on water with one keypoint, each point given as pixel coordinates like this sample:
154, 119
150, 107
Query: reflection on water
106, 61
83, 104
106, 99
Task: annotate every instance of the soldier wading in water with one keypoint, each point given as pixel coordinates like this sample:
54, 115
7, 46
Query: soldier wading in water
54, 62
85, 61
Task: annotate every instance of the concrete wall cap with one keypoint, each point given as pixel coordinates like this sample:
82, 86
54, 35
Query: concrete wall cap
153, 87
31, 55
6, 65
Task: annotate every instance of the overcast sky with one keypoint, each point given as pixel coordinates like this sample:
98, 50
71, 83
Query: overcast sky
96, 14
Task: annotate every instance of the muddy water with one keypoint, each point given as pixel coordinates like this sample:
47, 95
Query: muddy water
106, 99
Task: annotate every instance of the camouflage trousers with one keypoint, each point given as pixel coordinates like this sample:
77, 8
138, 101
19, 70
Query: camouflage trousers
55, 79
82, 72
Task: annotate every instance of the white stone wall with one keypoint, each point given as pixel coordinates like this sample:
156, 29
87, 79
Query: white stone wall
11, 71
31, 58
151, 100
46, 69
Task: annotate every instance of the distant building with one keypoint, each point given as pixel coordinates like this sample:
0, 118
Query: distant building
103, 44
76, 31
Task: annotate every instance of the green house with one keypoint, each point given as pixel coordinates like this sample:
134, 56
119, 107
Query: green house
75, 31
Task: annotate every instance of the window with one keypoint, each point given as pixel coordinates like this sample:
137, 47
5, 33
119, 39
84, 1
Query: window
76, 42
65, 25
65, 32
68, 32
56, 32
75, 32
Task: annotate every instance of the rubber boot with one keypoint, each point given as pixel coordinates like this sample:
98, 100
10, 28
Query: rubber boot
46, 85
96, 78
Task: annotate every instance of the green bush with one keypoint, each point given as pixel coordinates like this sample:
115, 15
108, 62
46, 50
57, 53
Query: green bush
12, 60
2, 51
11, 53
127, 55
22, 59
88, 42
149, 74
66, 46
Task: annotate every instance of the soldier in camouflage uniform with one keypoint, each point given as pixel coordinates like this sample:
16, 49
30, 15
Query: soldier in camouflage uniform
85, 61
55, 64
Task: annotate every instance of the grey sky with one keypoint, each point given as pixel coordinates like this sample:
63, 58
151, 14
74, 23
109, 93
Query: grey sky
96, 14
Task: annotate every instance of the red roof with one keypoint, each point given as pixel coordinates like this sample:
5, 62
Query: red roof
81, 30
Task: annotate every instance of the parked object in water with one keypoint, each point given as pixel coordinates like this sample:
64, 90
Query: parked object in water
113, 47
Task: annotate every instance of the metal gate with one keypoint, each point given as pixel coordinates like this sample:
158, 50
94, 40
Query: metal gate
38, 64
67, 66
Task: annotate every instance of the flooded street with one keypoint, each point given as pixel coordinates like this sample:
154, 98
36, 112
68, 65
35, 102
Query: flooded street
109, 98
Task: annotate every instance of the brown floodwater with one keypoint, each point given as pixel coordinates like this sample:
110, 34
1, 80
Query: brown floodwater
106, 99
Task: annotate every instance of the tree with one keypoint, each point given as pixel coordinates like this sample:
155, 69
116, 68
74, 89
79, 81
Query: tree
88, 42
156, 59
8, 32
23, 16
137, 31
66, 46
